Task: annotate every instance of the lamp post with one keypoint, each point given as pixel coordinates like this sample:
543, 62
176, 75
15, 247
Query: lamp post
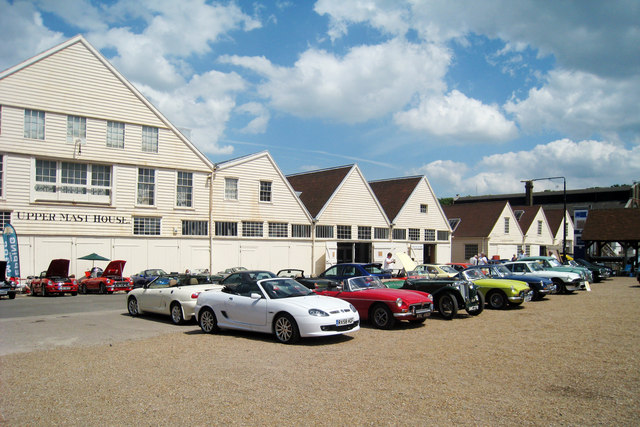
564, 216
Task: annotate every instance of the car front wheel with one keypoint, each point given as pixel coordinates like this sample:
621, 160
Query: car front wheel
448, 306
132, 306
286, 329
382, 317
497, 300
480, 306
176, 313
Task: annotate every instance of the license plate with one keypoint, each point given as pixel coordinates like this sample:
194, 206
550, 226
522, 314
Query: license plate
342, 322
65, 288
3, 292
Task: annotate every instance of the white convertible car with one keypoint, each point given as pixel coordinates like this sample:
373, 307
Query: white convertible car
172, 295
280, 306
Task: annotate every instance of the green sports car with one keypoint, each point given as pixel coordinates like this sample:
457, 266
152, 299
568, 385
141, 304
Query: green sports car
498, 293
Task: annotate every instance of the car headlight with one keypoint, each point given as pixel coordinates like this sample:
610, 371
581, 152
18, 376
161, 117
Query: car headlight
318, 312
513, 289
399, 302
352, 308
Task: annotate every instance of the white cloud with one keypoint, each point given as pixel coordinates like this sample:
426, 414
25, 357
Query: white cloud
368, 82
580, 105
458, 117
261, 120
23, 34
203, 105
584, 164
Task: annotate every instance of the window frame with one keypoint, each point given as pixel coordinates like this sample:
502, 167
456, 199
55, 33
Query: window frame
34, 123
229, 192
192, 227
184, 188
142, 223
76, 128
266, 192
148, 186
119, 134
150, 139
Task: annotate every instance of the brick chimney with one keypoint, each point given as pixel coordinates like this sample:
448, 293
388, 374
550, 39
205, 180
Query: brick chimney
528, 191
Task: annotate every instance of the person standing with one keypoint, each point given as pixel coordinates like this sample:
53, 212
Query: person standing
386, 264
473, 260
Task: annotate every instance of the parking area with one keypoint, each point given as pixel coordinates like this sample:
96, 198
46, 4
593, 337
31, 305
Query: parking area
569, 359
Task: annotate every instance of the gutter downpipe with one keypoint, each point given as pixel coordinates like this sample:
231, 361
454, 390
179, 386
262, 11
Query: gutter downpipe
314, 221
213, 176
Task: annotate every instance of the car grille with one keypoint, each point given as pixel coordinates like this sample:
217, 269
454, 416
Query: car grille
342, 310
421, 307
121, 284
340, 328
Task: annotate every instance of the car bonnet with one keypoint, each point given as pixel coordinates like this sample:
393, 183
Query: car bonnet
115, 268
58, 268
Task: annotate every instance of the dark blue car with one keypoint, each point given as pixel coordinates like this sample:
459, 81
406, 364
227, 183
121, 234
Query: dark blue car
341, 272
541, 286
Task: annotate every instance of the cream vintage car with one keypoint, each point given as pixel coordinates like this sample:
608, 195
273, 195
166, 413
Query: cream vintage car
174, 295
436, 270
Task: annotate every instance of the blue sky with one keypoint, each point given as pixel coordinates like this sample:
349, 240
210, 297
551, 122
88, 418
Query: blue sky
477, 96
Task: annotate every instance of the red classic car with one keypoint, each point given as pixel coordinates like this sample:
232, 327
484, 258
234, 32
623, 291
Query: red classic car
109, 281
381, 305
55, 280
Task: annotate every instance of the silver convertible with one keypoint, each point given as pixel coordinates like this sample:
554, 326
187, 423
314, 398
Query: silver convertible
276, 305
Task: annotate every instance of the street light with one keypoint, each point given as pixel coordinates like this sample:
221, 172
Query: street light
564, 216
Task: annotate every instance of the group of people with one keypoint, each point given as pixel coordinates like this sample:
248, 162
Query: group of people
479, 259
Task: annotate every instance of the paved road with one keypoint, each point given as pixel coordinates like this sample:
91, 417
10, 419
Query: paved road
38, 323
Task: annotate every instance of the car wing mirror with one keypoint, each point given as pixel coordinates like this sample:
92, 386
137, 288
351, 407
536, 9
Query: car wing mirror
255, 295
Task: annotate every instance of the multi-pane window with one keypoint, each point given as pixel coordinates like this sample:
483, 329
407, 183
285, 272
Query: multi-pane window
506, 225
414, 234
399, 234
115, 134
146, 226
195, 228
381, 233
278, 229
150, 139
300, 230
343, 232
231, 188
34, 124
76, 129
146, 186
470, 250
364, 233
429, 235
185, 189
423, 208
252, 229
73, 177
443, 235
539, 228
265, 191
226, 228
46, 176
100, 179
324, 231
5, 218
1, 175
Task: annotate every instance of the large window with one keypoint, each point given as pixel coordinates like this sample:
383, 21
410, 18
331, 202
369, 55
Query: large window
146, 226
364, 233
399, 234
414, 234
381, 233
195, 228
252, 229
300, 230
34, 124
224, 228
76, 129
185, 189
278, 229
324, 231
149, 139
469, 251
344, 232
146, 186
430, 235
231, 188
265, 191
115, 134
443, 235
73, 182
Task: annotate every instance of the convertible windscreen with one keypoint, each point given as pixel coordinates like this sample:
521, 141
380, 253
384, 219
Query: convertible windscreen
364, 283
284, 288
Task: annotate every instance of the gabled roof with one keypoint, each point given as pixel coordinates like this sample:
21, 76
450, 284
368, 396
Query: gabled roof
528, 215
476, 219
612, 225
316, 188
554, 218
394, 193
79, 40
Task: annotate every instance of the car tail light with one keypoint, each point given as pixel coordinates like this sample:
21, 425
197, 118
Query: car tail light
195, 295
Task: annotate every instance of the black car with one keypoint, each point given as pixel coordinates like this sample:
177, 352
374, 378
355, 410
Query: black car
600, 272
449, 295
7, 287
312, 283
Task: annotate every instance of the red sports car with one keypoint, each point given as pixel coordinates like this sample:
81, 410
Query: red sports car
55, 280
381, 305
109, 281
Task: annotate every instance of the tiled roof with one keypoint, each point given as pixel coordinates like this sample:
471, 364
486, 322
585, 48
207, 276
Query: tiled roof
316, 188
476, 219
529, 213
554, 218
394, 193
612, 225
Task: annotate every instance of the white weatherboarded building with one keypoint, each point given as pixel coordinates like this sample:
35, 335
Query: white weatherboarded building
89, 165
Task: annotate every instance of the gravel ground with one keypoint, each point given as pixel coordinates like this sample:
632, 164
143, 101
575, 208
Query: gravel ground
567, 360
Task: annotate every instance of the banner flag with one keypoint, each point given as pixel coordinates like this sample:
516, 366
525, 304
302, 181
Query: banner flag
11, 251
